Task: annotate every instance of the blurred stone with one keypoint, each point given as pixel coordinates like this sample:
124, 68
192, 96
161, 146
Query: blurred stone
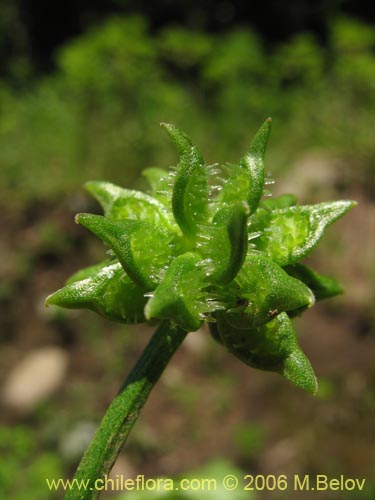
34, 378
173, 377
281, 457
312, 173
196, 342
122, 470
74, 442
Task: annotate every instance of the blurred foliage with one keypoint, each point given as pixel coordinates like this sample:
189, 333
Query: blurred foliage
207, 478
249, 439
22, 468
96, 115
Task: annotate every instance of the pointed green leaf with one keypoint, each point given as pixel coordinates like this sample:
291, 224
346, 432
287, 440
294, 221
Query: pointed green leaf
152, 249
190, 191
298, 370
180, 297
246, 180
142, 249
323, 287
109, 292
89, 272
265, 290
159, 181
119, 203
224, 242
290, 234
272, 347
283, 201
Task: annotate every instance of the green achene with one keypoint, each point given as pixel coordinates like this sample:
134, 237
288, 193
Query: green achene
202, 247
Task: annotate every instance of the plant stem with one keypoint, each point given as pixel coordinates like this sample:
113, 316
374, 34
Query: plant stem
123, 413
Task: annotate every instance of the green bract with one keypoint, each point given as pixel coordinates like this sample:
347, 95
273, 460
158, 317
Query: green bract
204, 247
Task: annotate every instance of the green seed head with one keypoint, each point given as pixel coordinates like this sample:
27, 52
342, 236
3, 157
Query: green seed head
203, 246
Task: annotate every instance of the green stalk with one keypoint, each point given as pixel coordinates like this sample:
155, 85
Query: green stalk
123, 412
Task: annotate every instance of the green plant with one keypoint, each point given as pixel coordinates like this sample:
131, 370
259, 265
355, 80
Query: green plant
21, 457
202, 246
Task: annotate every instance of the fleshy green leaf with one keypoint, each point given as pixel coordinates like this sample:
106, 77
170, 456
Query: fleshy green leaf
119, 203
263, 291
190, 191
89, 272
180, 297
290, 234
160, 182
224, 243
246, 180
283, 201
272, 347
109, 292
142, 249
323, 287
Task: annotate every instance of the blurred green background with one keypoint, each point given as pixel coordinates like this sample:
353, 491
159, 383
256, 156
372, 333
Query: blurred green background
83, 88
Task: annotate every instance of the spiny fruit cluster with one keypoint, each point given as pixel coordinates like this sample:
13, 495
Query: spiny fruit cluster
202, 246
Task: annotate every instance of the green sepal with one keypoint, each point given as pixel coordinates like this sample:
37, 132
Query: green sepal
290, 234
283, 201
119, 203
159, 181
323, 287
143, 250
246, 179
108, 291
271, 347
224, 242
262, 290
88, 272
180, 297
190, 190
